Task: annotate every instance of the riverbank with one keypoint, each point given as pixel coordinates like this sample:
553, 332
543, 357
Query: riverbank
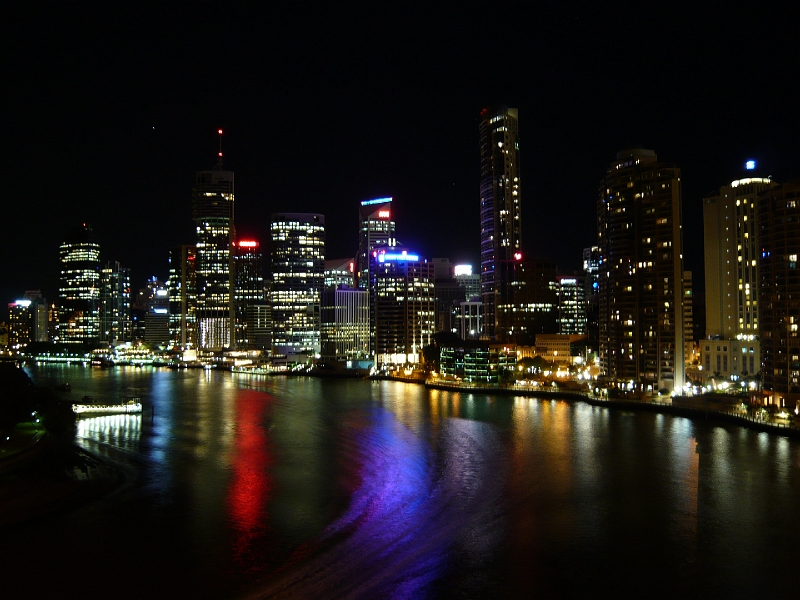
683, 406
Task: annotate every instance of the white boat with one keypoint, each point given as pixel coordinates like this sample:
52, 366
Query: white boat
129, 406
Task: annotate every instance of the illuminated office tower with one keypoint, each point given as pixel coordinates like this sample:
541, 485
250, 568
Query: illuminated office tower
182, 288
339, 272
641, 272
500, 213
249, 289
778, 218
79, 287
298, 273
212, 209
115, 304
404, 306
571, 305
27, 320
731, 244
376, 228
344, 324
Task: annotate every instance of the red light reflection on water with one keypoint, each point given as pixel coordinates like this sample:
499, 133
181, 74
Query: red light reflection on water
250, 486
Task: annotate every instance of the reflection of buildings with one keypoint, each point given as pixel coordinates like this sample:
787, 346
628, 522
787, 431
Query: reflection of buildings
404, 306
779, 291
298, 265
212, 210
501, 221
182, 286
115, 304
79, 287
641, 271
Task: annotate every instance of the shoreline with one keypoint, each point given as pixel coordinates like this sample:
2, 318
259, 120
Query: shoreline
692, 412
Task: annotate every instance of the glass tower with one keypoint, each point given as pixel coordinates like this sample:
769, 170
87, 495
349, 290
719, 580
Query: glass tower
501, 220
79, 287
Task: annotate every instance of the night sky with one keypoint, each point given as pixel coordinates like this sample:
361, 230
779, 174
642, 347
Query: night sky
110, 112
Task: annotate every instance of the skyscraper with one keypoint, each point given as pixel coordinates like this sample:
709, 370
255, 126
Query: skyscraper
375, 228
212, 209
249, 289
404, 306
778, 217
79, 287
641, 272
298, 273
730, 236
500, 211
182, 286
115, 304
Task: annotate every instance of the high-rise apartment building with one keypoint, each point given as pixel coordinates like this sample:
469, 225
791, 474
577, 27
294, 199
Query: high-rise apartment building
500, 212
731, 244
212, 209
115, 304
27, 320
182, 287
778, 218
571, 305
641, 272
79, 287
298, 273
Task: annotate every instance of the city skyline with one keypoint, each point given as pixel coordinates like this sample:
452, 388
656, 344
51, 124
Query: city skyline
110, 126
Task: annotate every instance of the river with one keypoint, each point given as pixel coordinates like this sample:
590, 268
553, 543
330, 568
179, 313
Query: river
254, 487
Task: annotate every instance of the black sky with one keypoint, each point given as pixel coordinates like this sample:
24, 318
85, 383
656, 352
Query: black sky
110, 111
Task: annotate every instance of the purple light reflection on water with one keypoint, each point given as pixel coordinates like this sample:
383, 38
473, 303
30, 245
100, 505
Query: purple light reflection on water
409, 516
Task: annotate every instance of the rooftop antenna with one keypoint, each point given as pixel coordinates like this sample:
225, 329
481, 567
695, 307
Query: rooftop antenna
219, 162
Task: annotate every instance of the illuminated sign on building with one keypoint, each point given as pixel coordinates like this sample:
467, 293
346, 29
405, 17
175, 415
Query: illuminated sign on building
248, 244
383, 214
462, 270
403, 256
750, 165
518, 256
376, 201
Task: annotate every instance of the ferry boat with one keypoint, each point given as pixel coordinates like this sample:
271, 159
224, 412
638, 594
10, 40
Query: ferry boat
90, 409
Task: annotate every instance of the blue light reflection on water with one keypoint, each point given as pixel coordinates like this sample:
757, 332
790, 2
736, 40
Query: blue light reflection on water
385, 489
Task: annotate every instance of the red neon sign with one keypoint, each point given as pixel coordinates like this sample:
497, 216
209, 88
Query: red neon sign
383, 214
248, 244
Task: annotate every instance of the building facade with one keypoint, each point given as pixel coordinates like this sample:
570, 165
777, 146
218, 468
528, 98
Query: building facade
344, 324
182, 287
376, 227
79, 287
405, 306
115, 304
298, 274
641, 272
249, 288
500, 212
212, 210
779, 293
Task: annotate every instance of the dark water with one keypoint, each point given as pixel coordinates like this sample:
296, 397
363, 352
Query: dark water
306, 488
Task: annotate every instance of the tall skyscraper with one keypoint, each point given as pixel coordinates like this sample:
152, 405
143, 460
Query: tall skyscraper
778, 218
115, 304
249, 287
500, 211
731, 244
79, 287
182, 287
212, 209
641, 272
376, 227
298, 273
